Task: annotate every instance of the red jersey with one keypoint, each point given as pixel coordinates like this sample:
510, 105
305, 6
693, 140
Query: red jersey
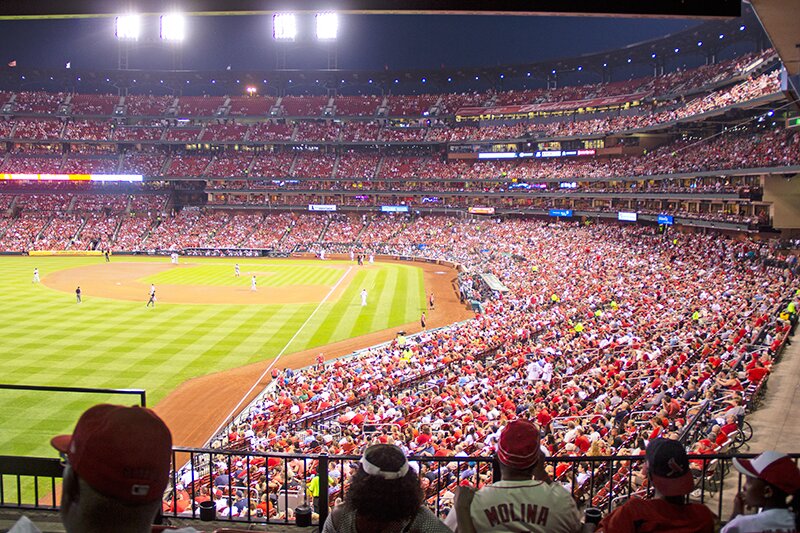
657, 515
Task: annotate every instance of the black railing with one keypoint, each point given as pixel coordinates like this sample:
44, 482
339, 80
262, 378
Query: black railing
255, 487
141, 393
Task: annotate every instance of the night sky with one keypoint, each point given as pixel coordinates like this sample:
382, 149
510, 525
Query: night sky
366, 41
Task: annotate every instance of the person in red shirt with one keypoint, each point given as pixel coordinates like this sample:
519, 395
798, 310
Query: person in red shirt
668, 472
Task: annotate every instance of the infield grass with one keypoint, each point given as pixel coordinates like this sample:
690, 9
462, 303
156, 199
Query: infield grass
46, 339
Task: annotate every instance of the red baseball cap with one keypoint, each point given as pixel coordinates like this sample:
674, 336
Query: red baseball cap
777, 469
122, 452
518, 446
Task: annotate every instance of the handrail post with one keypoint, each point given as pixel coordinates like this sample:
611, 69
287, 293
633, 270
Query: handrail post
322, 472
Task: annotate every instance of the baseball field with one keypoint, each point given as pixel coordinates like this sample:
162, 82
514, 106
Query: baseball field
209, 341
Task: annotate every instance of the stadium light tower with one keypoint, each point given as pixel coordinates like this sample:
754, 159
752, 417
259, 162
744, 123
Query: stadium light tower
284, 26
173, 27
128, 27
327, 26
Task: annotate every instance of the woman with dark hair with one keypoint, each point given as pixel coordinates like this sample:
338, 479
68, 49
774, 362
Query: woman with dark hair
384, 495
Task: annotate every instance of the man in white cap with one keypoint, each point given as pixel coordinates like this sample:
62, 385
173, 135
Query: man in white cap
525, 499
772, 478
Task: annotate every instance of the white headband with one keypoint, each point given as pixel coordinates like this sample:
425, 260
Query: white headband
374, 470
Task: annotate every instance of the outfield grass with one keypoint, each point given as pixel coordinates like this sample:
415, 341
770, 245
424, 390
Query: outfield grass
46, 339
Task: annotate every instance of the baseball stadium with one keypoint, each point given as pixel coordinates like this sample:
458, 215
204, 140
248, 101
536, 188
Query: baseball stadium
367, 293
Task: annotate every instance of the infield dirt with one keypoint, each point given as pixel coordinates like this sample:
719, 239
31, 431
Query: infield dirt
196, 408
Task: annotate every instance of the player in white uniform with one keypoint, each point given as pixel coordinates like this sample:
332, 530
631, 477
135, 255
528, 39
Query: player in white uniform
525, 500
35, 275
236, 270
363, 297
253, 283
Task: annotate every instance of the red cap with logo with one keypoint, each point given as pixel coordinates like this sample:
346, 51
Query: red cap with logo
519, 445
777, 469
121, 452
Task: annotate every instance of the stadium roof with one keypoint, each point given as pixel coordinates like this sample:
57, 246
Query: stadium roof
16, 9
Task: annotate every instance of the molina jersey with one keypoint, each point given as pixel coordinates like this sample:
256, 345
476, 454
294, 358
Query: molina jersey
526, 505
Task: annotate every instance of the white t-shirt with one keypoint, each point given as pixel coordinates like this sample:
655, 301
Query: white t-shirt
769, 521
532, 505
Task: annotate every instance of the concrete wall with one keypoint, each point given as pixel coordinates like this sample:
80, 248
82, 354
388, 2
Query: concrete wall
784, 194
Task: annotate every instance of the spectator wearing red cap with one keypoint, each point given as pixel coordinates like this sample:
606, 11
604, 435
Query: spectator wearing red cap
117, 469
118, 463
668, 472
772, 478
525, 499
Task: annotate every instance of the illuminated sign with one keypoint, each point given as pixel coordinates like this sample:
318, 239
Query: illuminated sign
482, 210
394, 208
568, 185
667, 220
497, 155
431, 199
561, 213
72, 177
626, 217
321, 207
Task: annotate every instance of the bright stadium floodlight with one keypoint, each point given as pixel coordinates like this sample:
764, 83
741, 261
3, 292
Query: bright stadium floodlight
128, 27
327, 26
284, 27
173, 27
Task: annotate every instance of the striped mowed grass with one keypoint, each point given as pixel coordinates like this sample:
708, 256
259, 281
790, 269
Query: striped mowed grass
47, 339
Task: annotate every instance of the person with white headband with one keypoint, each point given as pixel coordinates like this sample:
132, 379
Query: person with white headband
384, 495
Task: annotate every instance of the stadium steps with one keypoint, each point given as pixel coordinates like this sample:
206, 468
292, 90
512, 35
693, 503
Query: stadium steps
252, 230
77, 233
119, 223
290, 172
208, 241
44, 227
167, 160
275, 110
363, 229
63, 156
252, 159
335, 170
210, 162
379, 167
321, 236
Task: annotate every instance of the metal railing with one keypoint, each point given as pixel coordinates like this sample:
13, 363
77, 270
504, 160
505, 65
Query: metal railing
266, 487
141, 393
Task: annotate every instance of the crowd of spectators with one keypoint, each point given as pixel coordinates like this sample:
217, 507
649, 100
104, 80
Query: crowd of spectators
650, 115
605, 354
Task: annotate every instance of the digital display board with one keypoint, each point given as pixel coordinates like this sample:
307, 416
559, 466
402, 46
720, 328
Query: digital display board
567, 213
72, 177
667, 220
394, 208
627, 217
321, 207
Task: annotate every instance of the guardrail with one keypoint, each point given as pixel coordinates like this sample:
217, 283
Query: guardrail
603, 481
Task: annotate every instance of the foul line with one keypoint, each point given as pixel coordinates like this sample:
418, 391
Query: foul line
233, 412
